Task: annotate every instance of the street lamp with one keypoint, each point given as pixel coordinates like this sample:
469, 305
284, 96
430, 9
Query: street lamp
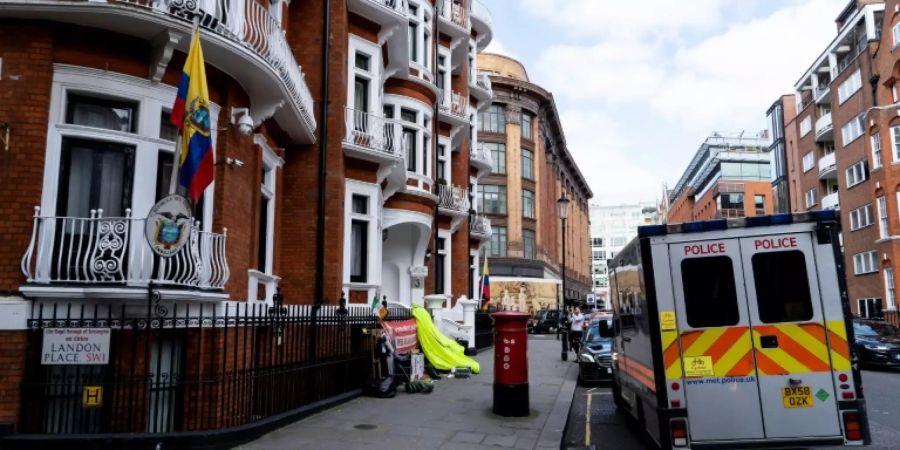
563, 203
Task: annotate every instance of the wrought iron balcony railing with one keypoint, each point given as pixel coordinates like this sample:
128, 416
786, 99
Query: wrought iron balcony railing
480, 226
104, 251
372, 132
247, 24
452, 198
454, 12
455, 104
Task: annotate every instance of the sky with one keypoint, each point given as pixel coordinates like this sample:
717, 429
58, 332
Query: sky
640, 85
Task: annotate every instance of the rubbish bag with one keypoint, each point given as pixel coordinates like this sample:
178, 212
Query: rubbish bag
442, 352
383, 388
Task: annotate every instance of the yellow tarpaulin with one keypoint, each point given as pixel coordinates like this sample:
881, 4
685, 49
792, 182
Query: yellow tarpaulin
443, 353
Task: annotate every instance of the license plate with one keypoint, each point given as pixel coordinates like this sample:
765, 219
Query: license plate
797, 397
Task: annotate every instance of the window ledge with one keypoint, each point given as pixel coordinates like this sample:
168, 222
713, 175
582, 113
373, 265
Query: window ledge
262, 276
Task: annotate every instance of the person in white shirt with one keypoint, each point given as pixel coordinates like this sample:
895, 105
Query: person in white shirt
576, 328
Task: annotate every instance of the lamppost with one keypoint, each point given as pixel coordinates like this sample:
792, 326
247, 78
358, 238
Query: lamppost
563, 203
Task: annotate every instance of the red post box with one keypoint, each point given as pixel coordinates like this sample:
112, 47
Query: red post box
511, 364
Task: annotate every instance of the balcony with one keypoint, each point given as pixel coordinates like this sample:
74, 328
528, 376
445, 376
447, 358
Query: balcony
481, 159
240, 37
480, 88
382, 12
482, 23
822, 95
452, 200
827, 167
97, 256
371, 137
454, 108
456, 17
824, 128
830, 201
480, 227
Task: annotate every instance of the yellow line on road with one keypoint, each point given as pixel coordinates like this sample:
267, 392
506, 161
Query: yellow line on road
587, 422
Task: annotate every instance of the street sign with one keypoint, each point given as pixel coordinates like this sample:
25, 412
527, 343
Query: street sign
75, 346
168, 225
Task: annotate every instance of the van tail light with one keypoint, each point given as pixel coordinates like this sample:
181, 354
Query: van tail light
679, 432
852, 426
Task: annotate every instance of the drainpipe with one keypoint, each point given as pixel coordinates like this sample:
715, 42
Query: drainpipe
435, 135
323, 147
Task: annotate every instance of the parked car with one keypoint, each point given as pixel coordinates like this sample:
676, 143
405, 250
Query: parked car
595, 358
545, 321
873, 348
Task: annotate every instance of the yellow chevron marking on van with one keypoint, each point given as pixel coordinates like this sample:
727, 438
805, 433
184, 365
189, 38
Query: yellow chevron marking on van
738, 350
704, 342
781, 357
813, 345
837, 340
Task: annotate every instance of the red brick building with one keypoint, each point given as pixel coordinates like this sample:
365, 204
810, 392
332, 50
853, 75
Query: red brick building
839, 161
728, 177
353, 179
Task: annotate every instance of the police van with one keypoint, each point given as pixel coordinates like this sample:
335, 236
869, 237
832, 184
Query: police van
734, 334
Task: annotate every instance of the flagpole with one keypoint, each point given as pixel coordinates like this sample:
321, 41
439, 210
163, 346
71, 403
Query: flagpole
176, 163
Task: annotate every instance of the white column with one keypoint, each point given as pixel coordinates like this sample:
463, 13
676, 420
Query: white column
870, 24
469, 308
434, 303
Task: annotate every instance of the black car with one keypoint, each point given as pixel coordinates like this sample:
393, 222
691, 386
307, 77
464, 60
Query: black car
545, 321
875, 349
595, 358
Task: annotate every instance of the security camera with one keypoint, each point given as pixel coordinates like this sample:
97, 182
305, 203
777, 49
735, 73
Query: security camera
234, 162
241, 118
245, 125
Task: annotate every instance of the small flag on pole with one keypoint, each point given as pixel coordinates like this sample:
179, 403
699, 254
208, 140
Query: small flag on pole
485, 285
190, 114
375, 303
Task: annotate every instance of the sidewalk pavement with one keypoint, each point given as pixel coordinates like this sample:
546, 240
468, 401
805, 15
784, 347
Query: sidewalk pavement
457, 415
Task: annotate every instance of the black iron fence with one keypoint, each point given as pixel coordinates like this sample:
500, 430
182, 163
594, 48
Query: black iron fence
188, 367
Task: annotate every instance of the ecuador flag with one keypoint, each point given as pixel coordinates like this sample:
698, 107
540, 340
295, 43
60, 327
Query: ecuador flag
485, 284
191, 115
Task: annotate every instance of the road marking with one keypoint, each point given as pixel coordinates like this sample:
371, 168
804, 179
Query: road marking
587, 421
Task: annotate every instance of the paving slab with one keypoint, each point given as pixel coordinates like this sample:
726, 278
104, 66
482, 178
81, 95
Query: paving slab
457, 415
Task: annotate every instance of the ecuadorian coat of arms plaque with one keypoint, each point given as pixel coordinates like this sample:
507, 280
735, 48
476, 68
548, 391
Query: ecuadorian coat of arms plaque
169, 225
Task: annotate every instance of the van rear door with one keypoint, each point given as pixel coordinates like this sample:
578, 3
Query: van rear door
712, 357
790, 338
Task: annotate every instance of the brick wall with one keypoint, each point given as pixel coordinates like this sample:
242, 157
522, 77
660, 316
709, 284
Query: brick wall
301, 170
12, 373
24, 100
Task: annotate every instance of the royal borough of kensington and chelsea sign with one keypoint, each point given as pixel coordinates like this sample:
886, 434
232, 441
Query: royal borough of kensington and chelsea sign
71, 346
